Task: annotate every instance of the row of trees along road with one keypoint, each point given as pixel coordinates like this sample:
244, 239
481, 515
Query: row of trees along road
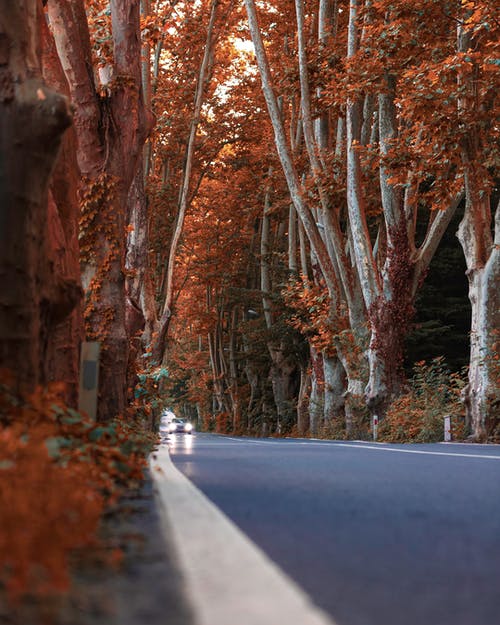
257, 219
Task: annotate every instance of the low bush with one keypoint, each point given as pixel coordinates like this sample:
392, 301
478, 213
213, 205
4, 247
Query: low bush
418, 415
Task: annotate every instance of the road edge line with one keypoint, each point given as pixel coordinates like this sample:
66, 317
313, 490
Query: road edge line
228, 579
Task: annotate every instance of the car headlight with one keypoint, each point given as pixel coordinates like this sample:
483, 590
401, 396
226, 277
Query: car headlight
188, 427
172, 427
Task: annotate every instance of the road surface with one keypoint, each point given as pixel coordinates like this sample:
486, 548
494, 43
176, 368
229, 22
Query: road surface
375, 534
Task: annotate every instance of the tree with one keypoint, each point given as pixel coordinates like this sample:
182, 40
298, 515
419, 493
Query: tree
367, 248
446, 132
111, 124
62, 345
34, 117
479, 231
203, 77
340, 281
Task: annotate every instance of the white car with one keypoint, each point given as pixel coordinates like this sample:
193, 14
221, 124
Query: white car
180, 425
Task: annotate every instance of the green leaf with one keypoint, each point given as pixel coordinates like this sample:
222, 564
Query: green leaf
72, 420
97, 433
55, 444
127, 447
122, 467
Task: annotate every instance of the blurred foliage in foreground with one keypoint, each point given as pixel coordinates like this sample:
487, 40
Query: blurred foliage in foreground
59, 472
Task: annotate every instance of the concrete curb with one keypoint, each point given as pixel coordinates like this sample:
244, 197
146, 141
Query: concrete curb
229, 580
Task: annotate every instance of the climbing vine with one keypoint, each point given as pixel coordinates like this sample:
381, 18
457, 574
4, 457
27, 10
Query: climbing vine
96, 215
99, 230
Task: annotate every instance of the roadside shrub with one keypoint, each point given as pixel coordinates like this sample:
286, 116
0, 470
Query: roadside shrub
58, 473
333, 429
418, 415
223, 422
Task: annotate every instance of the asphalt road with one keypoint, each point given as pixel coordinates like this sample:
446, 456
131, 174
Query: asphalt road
375, 534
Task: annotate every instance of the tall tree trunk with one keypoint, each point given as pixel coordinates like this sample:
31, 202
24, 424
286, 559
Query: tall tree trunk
137, 314
295, 188
32, 122
482, 256
391, 309
283, 368
335, 384
481, 395
387, 280
316, 404
303, 418
141, 307
292, 241
203, 77
234, 391
349, 296
140, 285
111, 132
325, 23
218, 371
64, 337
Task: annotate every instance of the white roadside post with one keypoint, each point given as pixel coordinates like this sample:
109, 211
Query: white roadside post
447, 429
89, 378
375, 427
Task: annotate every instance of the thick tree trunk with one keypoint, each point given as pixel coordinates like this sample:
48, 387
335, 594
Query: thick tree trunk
283, 368
303, 420
386, 292
218, 373
316, 403
60, 358
111, 132
64, 339
482, 256
139, 285
335, 384
137, 253
392, 310
481, 395
352, 360
140, 309
284, 377
32, 122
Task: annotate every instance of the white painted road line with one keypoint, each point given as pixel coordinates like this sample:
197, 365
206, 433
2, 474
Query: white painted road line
377, 447
228, 579
420, 451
